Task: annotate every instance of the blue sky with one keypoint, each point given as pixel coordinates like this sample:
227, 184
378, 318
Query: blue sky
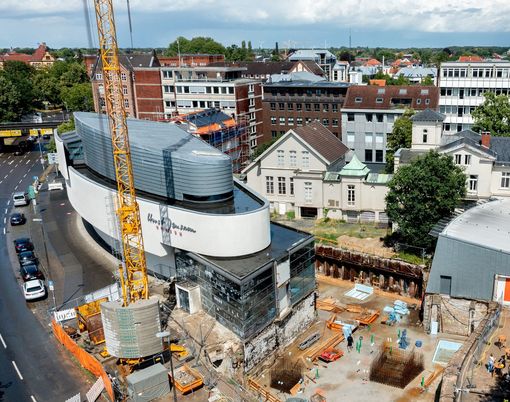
293, 23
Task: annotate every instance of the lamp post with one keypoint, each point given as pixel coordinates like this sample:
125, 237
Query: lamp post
50, 282
162, 335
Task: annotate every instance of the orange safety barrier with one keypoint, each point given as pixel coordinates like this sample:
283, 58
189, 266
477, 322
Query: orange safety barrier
88, 361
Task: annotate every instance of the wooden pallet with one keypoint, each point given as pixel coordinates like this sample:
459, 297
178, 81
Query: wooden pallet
315, 351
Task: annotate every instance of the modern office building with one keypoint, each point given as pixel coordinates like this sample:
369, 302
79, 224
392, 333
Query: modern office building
369, 112
462, 85
200, 226
296, 99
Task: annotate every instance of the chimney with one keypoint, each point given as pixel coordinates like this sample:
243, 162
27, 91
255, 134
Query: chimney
486, 139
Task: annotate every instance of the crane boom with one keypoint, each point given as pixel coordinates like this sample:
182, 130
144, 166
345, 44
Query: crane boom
134, 281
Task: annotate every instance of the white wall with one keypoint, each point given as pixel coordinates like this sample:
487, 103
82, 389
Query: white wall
208, 234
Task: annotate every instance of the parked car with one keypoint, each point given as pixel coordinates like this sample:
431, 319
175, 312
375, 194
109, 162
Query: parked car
34, 289
19, 152
18, 219
46, 136
27, 257
20, 199
29, 272
23, 244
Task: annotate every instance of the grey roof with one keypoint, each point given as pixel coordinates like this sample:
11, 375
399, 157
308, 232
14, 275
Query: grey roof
379, 178
408, 155
501, 145
472, 250
417, 72
310, 54
467, 137
166, 160
207, 117
428, 115
298, 76
487, 225
306, 84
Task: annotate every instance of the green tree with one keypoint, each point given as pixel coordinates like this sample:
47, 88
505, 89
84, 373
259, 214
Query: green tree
78, 98
422, 193
428, 80
10, 99
21, 76
400, 137
493, 115
66, 126
199, 44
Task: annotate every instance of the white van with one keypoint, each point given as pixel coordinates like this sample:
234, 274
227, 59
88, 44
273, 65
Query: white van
20, 199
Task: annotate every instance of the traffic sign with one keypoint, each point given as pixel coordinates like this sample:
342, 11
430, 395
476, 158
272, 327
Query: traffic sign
52, 158
50, 286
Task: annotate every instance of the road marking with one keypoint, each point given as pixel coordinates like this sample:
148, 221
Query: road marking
28, 161
1, 181
10, 163
15, 188
5, 221
4, 230
33, 399
17, 370
6, 176
3, 342
8, 202
19, 182
16, 165
25, 175
6, 210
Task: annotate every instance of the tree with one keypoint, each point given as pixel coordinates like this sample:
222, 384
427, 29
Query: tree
422, 193
78, 98
199, 44
427, 80
400, 137
9, 101
20, 75
66, 126
493, 115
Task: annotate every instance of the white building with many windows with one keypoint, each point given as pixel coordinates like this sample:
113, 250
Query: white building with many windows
462, 85
484, 159
305, 171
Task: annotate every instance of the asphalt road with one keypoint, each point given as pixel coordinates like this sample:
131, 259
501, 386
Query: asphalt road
32, 365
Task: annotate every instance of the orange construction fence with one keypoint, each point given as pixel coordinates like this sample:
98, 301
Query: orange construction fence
88, 361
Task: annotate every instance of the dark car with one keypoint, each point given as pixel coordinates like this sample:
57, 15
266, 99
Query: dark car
46, 136
18, 219
29, 272
23, 244
27, 257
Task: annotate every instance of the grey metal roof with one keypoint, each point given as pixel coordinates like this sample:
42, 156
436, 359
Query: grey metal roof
166, 160
417, 72
298, 76
501, 145
311, 54
428, 115
487, 225
379, 178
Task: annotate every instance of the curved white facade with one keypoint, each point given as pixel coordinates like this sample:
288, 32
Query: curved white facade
217, 235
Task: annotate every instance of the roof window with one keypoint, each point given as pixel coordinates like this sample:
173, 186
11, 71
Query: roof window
378, 100
424, 91
358, 99
402, 91
381, 91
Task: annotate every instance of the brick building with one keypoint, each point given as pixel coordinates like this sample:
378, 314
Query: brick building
141, 84
39, 59
296, 99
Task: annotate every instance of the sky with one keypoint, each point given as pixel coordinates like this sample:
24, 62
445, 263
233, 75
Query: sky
291, 23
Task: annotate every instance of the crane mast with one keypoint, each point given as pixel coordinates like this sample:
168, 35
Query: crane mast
134, 279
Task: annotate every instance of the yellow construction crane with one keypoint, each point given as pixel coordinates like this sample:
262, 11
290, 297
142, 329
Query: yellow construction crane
134, 279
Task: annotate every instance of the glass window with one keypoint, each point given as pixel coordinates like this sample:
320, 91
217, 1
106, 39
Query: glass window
299, 107
308, 107
350, 139
272, 106
334, 107
281, 185
282, 121
124, 90
378, 100
280, 155
379, 138
291, 186
293, 158
467, 159
325, 122
369, 139
473, 182
358, 99
290, 121
351, 195
368, 155
274, 134
273, 120
305, 159
269, 185
505, 179
317, 107
308, 192
425, 137
123, 76
325, 107
126, 103
299, 121
369, 116
458, 159
334, 122
281, 106
379, 155
290, 106
350, 116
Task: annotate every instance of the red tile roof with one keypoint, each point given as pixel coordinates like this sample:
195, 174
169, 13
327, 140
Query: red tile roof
38, 55
322, 140
470, 58
373, 62
391, 96
379, 83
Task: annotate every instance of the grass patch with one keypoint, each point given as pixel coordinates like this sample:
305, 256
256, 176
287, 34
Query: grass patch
332, 229
411, 258
291, 215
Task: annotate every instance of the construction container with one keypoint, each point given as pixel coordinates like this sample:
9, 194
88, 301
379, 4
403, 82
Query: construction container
187, 379
148, 384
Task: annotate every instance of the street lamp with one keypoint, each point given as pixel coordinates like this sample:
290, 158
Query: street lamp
162, 335
50, 282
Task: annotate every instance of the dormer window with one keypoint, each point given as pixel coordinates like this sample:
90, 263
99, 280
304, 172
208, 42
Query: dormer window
358, 100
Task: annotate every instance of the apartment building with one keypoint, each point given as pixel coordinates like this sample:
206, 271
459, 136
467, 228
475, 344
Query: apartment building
463, 84
296, 99
191, 59
141, 84
369, 112
191, 89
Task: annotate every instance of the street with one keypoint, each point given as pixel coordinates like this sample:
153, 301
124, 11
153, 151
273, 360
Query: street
32, 365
